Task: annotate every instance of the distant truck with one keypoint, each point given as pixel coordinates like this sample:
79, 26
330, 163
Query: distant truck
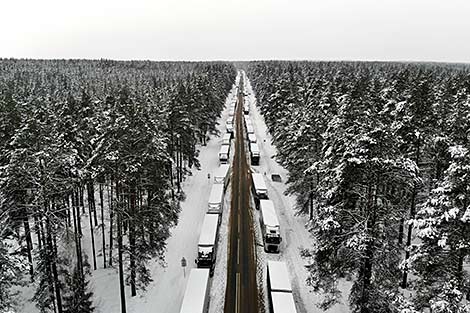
252, 138
216, 199
250, 129
226, 138
229, 124
270, 228
224, 154
259, 189
207, 245
281, 299
246, 108
196, 295
254, 153
222, 175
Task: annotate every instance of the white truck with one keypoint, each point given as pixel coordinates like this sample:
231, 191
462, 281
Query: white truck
196, 295
259, 189
224, 154
207, 245
222, 175
280, 295
250, 129
229, 124
270, 228
226, 138
216, 199
254, 153
252, 138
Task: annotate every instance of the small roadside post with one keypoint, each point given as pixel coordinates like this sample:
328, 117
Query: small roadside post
183, 265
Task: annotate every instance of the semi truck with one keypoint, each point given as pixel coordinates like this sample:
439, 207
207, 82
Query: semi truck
224, 154
216, 199
259, 189
207, 245
252, 138
196, 295
270, 228
280, 296
229, 124
254, 153
222, 175
226, 138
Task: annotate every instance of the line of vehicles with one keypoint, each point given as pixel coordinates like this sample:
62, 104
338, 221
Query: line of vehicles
280, 296
197, 293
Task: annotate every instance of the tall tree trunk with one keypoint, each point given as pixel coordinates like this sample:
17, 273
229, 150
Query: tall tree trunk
29, 245
90, 211
38, 231
111, 218
132, 252
55, 274
91, 200
82, 202
120, 261
78, 245
103, 234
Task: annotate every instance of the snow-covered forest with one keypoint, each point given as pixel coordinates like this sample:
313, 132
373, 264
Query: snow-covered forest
100, 147
379, 159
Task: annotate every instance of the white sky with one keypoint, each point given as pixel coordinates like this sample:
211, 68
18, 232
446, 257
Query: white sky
420, 30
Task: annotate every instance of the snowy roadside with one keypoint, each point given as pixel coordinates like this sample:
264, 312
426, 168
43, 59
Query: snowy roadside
295, 235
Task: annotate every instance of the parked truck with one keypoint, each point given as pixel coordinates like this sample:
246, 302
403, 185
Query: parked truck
222, 175
280, 295
196, 295
270, 228
229, 124
226, 138
252, 138
224, 154
207, 245
254, 154
216, 199
259, 189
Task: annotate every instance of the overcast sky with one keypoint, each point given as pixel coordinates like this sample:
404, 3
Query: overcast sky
419, 30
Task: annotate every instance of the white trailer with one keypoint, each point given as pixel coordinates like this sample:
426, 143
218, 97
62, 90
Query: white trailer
226, 138
254, 153
250, 129
196, 295
270, 227
224, 154
252, 138
216, 199
282, 302
222, 175
248, 120
207, 246
229, 124
259, 189
280, 295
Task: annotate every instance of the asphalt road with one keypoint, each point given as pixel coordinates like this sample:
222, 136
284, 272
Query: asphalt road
241, 295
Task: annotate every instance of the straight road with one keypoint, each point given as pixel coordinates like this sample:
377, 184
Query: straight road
241, 295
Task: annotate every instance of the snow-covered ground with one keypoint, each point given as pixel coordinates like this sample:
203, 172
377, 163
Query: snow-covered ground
295, 235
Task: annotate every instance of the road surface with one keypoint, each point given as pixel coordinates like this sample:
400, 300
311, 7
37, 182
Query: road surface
241, 295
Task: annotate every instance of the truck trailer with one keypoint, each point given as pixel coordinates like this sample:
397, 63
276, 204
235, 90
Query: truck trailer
270, 228
222, 175
224, 154
216, 199
196, 295
254, 153
259, 189
207, 245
